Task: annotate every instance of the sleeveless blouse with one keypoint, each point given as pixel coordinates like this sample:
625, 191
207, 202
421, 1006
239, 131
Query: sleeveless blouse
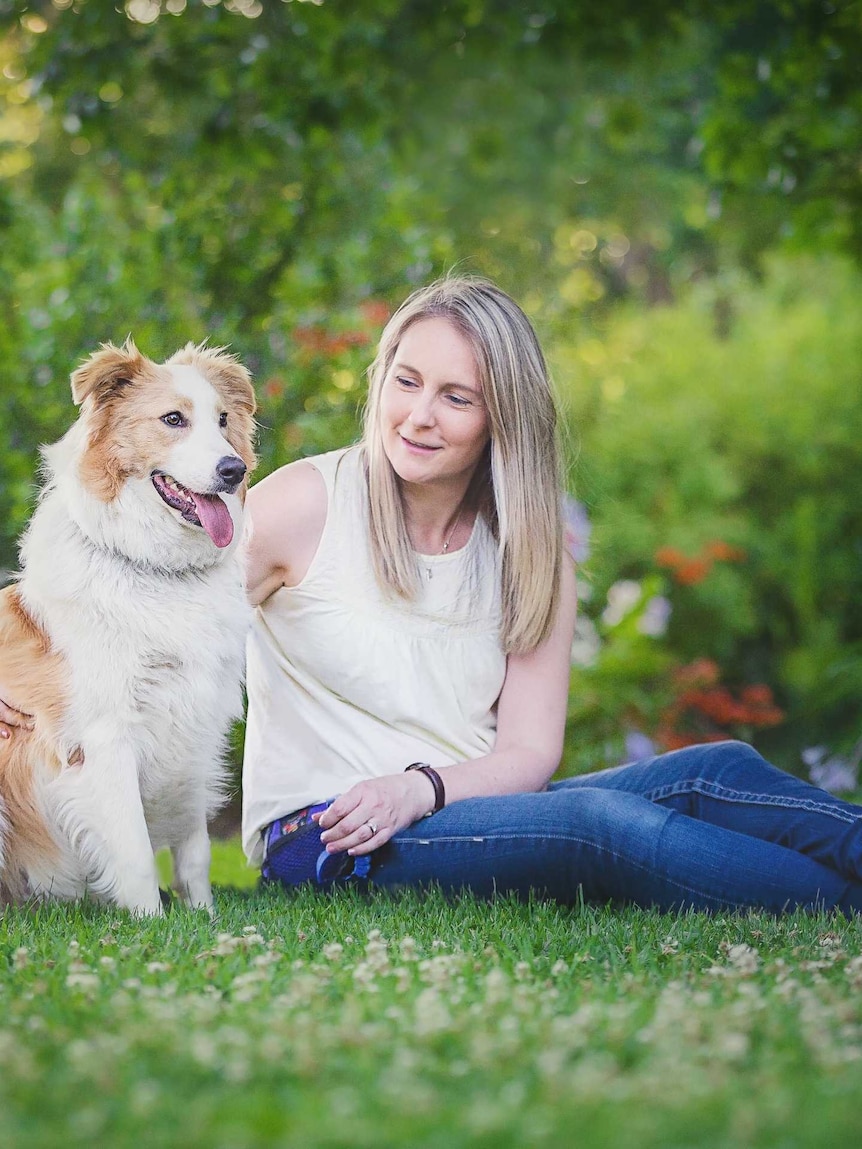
346, 682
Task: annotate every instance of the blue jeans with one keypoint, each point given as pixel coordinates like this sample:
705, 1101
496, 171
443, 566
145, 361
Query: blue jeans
708, 827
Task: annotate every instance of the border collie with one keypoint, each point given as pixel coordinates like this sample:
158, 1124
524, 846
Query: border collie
124, 633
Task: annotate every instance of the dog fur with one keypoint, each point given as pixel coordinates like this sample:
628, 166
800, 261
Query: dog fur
123, 636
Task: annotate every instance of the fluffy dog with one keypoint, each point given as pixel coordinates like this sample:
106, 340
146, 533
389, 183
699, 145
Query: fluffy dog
124, 633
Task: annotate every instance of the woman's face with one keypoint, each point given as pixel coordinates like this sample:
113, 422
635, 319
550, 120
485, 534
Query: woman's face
433, 416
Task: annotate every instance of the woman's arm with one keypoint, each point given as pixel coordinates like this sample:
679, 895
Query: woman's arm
531, 721
286, 513
531, 715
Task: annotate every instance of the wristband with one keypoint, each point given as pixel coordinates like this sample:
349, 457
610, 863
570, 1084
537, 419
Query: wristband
436, 781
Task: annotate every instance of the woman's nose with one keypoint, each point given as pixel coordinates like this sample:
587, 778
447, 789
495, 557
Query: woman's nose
422, 412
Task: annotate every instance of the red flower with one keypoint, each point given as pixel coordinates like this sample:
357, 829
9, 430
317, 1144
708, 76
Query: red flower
375, 311
692, 571
669, 557
701, 672
724, 552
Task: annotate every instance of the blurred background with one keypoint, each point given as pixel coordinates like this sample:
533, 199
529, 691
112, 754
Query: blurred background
672, 192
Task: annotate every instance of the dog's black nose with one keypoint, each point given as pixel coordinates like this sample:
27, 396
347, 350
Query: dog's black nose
231, 470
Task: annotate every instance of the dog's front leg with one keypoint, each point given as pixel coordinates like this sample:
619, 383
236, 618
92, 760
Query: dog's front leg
192, 867
104, 820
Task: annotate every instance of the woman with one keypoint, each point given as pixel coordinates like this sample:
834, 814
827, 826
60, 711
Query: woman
410, 659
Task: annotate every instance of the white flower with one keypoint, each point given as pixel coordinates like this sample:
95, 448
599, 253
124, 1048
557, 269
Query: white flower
654, 620
586, 643
623, 597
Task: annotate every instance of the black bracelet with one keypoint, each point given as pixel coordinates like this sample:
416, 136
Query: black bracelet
436, 782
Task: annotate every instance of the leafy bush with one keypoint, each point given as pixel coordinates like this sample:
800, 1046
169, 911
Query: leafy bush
725, 456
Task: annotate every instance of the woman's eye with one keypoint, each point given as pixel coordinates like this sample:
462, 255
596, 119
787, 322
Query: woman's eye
222, 419
458, 400
404, 382
174, 419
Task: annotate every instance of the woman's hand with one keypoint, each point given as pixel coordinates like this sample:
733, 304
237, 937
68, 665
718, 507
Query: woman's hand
369, 813
10, 718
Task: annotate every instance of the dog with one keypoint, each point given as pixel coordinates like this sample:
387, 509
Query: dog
124, 633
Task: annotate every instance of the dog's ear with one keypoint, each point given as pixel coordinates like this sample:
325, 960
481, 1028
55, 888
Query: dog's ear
107, 371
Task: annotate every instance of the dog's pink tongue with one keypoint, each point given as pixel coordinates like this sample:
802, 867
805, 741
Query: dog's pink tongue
215, 518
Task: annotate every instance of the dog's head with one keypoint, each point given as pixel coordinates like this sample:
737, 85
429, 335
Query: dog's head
184, 429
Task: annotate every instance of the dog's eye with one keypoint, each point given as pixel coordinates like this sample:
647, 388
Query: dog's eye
174, 419
222, 419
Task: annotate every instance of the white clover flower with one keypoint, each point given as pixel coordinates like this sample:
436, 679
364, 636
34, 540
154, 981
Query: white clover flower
366, 976
497, 987
85, 981
853, 970
408, 948
432, 1014
744, 958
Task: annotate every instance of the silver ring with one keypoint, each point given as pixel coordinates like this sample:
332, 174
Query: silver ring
372, 826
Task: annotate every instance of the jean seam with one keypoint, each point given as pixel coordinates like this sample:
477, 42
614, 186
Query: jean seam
532, 837
723, 794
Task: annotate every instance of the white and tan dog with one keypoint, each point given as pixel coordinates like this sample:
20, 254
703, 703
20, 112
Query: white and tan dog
124, 634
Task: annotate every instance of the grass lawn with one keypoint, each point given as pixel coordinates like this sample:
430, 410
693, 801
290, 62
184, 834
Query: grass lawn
408, 1020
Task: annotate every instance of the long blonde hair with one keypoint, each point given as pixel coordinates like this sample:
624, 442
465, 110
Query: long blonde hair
516, 486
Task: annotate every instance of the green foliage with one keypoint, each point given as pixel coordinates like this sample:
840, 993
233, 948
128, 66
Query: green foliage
744, 443
275, 176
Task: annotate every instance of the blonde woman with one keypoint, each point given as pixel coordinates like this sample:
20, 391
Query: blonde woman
410, 657
408, 665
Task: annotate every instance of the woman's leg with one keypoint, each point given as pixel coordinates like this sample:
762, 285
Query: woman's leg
610, 846
729, 784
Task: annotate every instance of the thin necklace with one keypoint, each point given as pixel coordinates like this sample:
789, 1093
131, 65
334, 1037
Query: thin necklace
445, 548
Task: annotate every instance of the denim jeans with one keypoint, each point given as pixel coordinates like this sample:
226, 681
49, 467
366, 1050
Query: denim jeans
708, 827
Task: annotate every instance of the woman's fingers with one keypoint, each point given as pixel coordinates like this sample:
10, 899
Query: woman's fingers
10, 718
367, 837
354, 829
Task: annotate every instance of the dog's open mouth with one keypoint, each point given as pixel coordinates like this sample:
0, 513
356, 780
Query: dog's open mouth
207, 511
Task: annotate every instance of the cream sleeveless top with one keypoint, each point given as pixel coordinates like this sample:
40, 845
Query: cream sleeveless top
345, 683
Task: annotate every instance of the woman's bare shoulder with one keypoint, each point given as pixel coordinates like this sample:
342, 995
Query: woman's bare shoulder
294, 489
287, 513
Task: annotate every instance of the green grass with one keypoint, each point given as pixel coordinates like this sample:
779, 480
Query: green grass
412, 1020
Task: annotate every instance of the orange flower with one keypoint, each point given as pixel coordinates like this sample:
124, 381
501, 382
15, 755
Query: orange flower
724, 552
375, 311
758, 694
692, 571
669, 557
701, 672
